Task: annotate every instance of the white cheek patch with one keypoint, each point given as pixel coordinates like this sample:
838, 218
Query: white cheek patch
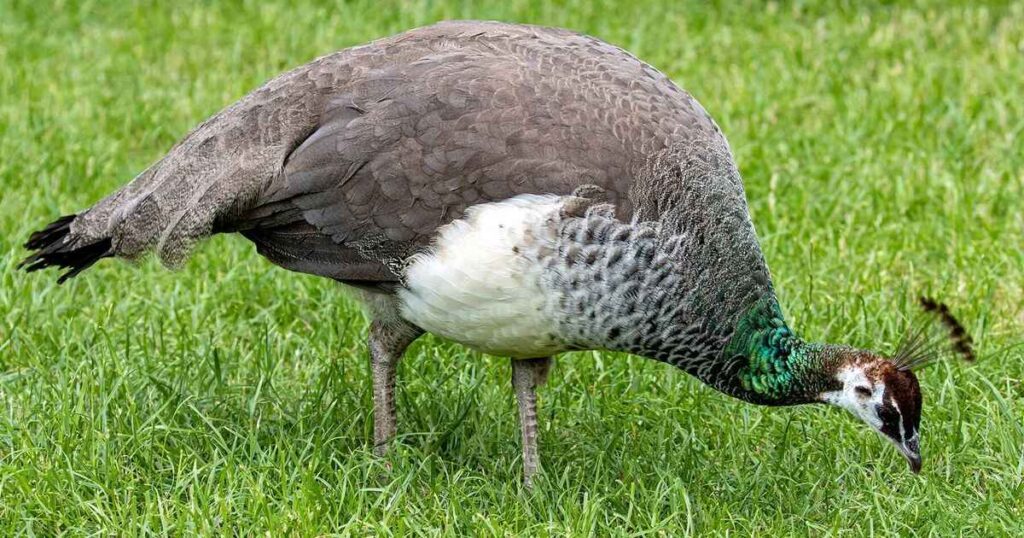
847, 397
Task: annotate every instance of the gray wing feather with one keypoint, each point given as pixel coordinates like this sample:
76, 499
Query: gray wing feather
349, 163
409, 147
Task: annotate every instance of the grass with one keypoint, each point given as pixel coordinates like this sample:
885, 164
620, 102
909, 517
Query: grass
881, 149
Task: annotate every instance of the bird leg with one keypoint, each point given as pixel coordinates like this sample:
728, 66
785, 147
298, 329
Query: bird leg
388, 341
527, 375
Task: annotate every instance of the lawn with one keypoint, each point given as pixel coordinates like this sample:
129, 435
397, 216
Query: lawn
882, 154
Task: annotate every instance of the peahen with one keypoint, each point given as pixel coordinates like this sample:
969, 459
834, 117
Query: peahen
522, 190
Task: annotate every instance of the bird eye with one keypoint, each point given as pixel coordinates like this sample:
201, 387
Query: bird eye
862, 391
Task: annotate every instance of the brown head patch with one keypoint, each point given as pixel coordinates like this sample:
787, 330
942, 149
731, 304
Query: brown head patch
900, 402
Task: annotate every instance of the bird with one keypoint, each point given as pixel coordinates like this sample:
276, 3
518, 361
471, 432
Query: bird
522, 190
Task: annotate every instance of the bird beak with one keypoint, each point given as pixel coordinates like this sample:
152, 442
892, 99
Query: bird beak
912, 452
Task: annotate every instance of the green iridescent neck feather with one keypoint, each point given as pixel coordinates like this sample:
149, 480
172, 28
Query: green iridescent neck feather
774, 366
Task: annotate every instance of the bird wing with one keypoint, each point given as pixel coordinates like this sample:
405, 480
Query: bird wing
407, 147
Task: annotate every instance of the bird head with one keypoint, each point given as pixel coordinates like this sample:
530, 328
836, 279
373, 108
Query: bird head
884, 397
884, 392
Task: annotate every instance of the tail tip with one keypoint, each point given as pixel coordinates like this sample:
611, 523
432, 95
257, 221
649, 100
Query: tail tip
52, 248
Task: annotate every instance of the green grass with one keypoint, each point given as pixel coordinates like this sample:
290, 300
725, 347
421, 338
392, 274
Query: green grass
881, 149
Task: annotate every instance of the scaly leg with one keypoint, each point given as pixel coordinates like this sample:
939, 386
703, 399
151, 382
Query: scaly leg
527, 375
387, 344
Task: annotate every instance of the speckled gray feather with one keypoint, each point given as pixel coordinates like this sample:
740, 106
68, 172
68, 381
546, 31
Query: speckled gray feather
672, 283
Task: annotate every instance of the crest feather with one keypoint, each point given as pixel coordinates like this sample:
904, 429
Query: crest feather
919, 347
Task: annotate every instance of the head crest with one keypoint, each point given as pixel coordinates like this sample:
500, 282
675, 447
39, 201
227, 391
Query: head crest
921, 347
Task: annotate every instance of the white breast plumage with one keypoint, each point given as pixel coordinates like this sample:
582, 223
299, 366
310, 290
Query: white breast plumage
480, 285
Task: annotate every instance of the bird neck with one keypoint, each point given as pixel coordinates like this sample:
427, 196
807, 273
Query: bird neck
689, 288
771, 365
